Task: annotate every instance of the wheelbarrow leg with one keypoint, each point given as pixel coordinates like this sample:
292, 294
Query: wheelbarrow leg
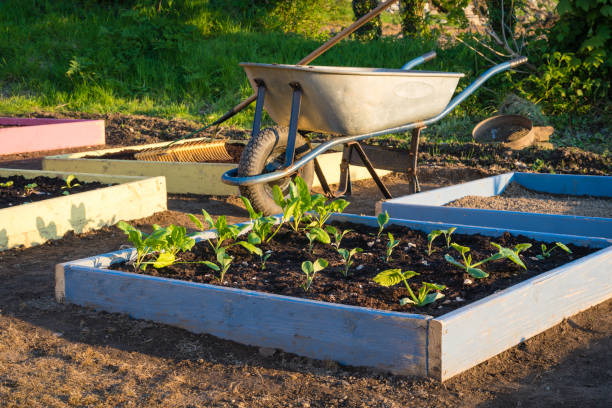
366, 161
414, 154
293, 122
261, 92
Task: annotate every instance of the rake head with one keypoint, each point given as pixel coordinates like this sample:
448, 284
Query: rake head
196, 151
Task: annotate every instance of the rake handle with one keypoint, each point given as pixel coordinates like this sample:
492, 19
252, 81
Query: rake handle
313, 55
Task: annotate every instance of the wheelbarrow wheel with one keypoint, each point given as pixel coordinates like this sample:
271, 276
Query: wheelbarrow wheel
265, 153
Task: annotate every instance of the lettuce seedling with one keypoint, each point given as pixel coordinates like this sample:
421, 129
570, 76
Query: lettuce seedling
69, 185
347, 257
382, 220
311, 269
546, 253
338, 235
390, 245
468, 266
513, 254
316, 234
391, 277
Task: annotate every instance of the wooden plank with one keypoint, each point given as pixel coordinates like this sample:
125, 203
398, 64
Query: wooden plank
485, 328
183, 177
34, 223
485, 187
514, 220
389, 341
596, 186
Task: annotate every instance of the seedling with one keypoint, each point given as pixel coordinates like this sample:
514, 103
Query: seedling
224, 261
390, 245
391, 277
513, 254
299, 202
144, 244
382, 219
261, 227
430, 239
468, 266
311, 269
347, 256
323, 211
69, 184
448, 235
175, 241
317, 234
30, 188
225, 231
7, 184
546, 252
338, 235
264, 258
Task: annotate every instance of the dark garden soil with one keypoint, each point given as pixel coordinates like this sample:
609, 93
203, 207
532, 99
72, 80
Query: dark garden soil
233, 149
283, 274
568, 160
518, 198
54, 355
46, 187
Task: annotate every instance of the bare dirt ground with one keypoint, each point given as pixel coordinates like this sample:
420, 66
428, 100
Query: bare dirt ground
54, 355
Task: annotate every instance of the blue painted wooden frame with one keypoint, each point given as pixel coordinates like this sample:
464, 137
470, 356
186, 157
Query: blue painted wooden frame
402, 343
428, 206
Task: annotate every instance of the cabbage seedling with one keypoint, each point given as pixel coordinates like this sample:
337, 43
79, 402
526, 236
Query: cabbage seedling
390, 245
546, 252
69, 185
316, 234
513, 254
430, 239
468, 266
382, 220
311, 269
392, 277
348, 258
448, 235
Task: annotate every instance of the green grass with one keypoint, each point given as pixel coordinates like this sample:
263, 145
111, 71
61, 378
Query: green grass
123, 56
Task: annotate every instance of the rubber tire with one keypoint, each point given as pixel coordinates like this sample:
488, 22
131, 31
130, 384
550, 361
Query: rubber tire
270, 146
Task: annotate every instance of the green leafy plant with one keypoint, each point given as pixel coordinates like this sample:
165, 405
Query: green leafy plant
311, 269
324, 210
382, 219
69, 184
448, 234
224, 261
391, 277
347, 256
337, 234
225, 232
145, 244
298, 204
546, 252
7, 184
175, 240
261, 227
430, 239
391, 244
468, 266
316, 234
264, 258
30, 188
513, 254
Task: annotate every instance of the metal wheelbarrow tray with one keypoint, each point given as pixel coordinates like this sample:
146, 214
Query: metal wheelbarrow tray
353, 104
350, 101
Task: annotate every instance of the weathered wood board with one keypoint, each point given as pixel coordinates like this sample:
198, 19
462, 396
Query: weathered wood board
401, 343
183, 177
429, 205
35, 223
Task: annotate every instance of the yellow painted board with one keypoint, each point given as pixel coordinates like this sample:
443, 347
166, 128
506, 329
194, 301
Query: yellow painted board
35, 223
183, 177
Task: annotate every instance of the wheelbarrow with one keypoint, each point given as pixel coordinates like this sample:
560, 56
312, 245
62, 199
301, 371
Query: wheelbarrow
351, 104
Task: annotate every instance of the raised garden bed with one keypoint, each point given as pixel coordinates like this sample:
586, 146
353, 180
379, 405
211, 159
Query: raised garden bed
400, 342
430, 205
21, 135
181, 177
33, 223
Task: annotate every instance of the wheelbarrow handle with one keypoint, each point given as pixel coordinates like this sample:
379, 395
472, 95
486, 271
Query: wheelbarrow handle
517, 61
419, 60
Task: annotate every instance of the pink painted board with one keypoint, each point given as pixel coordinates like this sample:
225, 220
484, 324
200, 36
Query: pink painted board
33, 134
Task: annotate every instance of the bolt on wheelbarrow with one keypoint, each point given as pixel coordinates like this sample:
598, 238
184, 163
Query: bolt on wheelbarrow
351, 104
